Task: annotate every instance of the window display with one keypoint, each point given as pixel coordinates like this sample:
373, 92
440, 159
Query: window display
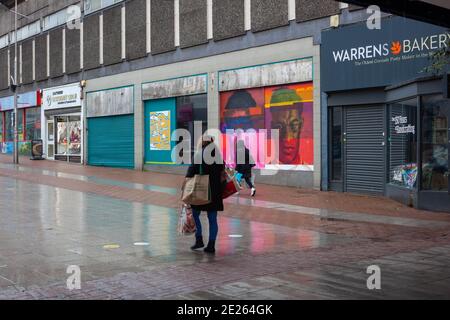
74, 135
61, 135
435, 131
68, 139
403, 143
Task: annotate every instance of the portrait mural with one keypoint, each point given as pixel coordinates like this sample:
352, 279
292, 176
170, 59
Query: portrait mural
288, 108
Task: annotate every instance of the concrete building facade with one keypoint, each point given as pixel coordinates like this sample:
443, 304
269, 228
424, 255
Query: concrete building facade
233, 64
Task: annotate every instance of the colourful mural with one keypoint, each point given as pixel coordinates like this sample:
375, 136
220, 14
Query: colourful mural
160, 130
288, 108
8, 148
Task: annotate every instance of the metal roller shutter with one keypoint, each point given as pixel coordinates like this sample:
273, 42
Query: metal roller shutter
365, 150
111, 141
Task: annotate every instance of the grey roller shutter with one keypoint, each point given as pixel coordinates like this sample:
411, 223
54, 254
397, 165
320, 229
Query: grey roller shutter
365, 150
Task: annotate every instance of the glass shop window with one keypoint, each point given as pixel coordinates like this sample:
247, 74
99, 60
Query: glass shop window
1, 126
191, 109
61, 135
33, 124
9, 128
403, 143
9, 125
435, 137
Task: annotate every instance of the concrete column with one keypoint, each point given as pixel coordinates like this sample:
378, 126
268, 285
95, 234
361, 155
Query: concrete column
139, 138
317, 118
213, 101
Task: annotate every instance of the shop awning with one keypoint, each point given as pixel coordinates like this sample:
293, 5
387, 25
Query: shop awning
431, 11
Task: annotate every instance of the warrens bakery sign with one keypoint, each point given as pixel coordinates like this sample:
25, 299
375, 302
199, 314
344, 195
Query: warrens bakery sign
394, 50
355, 57
62, 97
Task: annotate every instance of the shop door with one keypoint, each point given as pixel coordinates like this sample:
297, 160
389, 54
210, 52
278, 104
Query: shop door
160, 122
50, 139
364, 149
111, 141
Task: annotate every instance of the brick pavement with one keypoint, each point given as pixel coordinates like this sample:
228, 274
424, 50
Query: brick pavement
331, 268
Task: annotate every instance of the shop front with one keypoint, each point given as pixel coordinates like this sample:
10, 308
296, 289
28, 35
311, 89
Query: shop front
170, 105
63, 119
387, 115
110, 127
29, 122
258, 99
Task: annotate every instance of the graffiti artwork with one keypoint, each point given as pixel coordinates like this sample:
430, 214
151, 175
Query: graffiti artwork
289, 109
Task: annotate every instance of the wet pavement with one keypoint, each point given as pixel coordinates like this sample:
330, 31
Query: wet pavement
120, 228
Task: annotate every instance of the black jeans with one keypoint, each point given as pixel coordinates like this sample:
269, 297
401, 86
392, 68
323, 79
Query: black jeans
248, 180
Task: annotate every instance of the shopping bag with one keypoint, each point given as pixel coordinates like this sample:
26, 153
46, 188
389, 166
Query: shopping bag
196, 190
231, 187
186, 222
229, 190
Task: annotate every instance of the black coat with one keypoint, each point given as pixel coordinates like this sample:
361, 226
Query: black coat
215, 172
245, 168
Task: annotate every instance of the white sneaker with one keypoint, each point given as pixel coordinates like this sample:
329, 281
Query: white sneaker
253, 192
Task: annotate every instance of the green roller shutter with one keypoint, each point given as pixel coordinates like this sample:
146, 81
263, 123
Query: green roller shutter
111, 141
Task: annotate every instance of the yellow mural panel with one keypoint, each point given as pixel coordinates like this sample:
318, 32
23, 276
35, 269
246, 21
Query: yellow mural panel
160, 130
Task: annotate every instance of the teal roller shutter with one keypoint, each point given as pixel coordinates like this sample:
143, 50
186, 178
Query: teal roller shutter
111, 141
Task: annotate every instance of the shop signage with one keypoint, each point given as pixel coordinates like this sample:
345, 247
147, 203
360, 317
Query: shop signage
178, 87
356, 57
24, 100
110, 102
401, 126
267, 75
63, 97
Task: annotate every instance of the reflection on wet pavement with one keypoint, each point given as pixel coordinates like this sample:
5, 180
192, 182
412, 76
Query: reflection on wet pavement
44, 229
326, 214
323, 214
131, 250
93, 179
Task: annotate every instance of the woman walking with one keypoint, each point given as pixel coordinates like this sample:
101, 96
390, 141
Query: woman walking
216, 176
244, 165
